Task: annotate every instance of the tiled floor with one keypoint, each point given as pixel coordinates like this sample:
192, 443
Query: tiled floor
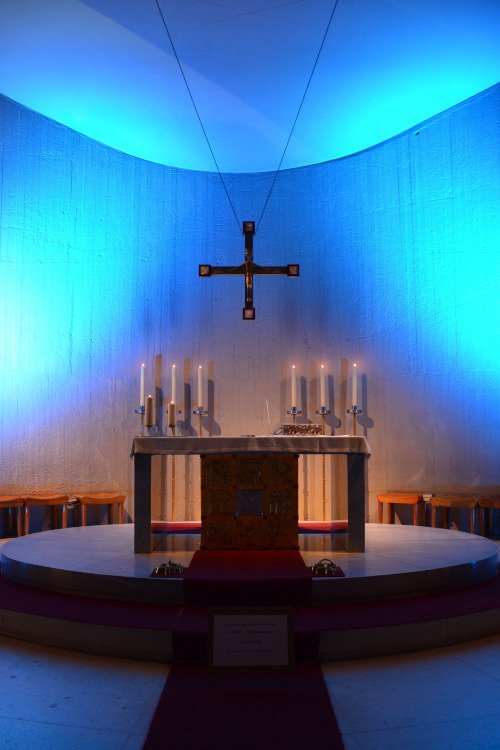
441, 699
444, 699
50, 698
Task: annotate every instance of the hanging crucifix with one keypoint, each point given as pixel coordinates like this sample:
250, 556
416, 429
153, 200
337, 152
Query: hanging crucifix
249, 269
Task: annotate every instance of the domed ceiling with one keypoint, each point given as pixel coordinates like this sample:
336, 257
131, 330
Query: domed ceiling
107, 68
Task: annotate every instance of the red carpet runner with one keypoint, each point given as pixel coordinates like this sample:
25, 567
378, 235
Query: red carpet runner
241, 711
245, 712
244, 577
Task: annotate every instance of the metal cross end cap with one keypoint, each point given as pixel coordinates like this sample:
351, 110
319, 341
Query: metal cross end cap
249, 227
204, 270
293, 269
249, 313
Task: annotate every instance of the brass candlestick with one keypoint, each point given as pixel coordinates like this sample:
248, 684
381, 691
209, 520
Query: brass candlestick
354, 411
323, 411
172, 413
172, 486
201, 413
141, 410
294, 412
171, 424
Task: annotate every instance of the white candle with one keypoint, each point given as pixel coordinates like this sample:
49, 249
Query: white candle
322, 388
173, 385
294, 386
142, 395
354, 385
200, 385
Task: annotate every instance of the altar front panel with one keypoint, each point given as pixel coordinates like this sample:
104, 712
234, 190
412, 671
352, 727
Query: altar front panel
249, 501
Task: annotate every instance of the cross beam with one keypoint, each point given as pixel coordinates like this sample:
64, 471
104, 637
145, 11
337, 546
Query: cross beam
249, 269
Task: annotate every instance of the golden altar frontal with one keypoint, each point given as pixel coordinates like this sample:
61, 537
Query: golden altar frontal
249, 501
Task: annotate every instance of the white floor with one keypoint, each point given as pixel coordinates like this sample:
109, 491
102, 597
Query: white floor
441, 699
50, 698
444, 699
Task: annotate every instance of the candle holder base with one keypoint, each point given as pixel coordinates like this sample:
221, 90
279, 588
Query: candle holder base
200, 411
142, 411
294, 413
355, 411
323, 411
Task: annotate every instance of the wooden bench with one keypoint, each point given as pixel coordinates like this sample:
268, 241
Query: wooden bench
400, 498
487, 504
453, 502
112, 499
10, 503
49, 499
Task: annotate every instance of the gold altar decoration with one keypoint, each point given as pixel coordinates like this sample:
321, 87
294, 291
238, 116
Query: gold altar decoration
249, 501
301, 429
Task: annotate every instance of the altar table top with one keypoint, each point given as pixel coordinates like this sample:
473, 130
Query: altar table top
343, 444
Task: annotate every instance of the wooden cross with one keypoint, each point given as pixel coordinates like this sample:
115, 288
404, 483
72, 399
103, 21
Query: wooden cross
248, 269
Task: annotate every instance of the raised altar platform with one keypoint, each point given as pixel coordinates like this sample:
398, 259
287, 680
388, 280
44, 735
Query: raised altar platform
398, 561
413, 588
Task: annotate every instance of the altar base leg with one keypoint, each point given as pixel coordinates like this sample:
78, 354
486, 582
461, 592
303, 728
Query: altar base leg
142, 502
356, 498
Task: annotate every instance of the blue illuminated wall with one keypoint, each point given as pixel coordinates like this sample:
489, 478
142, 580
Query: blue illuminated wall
398, 247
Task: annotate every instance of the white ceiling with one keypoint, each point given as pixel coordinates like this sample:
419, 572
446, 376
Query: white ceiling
106, 68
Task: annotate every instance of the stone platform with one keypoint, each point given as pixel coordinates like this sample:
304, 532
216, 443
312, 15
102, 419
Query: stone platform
413, 588
398, 561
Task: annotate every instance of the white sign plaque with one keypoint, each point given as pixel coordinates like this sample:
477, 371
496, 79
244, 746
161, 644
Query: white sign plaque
250, 638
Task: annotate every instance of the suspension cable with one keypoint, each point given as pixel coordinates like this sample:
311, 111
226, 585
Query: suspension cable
196, 110
298, 111
203, 127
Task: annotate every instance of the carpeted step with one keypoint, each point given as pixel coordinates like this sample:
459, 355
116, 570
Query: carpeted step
247, 577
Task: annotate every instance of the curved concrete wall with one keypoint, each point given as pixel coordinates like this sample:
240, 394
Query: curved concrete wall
398, 248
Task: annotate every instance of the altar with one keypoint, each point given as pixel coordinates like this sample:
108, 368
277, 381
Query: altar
356, 449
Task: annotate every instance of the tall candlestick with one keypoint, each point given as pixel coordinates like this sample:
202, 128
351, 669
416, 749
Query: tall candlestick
294, 386
143, 385
149, 421
200, 385
173, 384
322, 388
354, 385
171, 414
